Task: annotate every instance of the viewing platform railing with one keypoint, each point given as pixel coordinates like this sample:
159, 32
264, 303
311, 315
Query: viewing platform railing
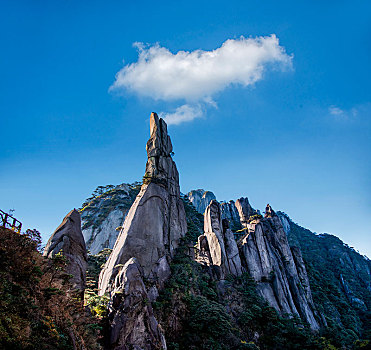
8, 221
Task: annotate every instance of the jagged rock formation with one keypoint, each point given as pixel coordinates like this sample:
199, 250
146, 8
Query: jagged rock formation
218, 243
200, 199
237, 212
230, 212
244, 210
265, 252
104, 213
131, 319
328, 255
231, 249
68, 240
280, 275
156, 221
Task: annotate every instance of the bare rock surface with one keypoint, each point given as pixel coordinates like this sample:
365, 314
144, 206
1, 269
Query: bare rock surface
230, 212
156, 221
200, 199
222, 247
280, 275
231, 249
104, 212
105, 235
68, 240
132, 322
244, 210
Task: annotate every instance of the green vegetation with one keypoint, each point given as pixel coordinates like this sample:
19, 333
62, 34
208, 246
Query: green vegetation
235, 225
196, 316
104, 200
255, 217
195, 220
327, 258
36, 309
97, 304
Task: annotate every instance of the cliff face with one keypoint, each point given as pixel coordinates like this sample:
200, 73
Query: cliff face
339, 276
230, 289
265, 253
230, 212
144, 248
104, 213
131, 321
281, 279
218, 244
156, 221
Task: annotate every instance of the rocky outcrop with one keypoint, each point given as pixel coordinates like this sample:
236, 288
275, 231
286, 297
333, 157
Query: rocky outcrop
244, 210
156, 221
265, 252
68, 240
285, 220
218, 243
200, 199
105, 234
131, 319
103, 213
280, 275
230, 212
231, 249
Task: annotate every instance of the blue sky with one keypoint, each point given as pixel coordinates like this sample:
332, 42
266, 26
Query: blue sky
297, 138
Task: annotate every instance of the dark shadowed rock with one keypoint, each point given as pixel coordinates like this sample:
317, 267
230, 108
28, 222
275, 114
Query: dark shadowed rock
230, 212
156, 221
69, 240
131, 319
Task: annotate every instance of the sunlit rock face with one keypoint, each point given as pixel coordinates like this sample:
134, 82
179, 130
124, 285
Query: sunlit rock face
68, 240
278, 270
105, 234
217, 247
244, 210
156, 221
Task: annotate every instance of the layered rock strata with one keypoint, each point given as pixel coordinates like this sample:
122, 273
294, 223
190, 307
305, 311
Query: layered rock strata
156, 221
68, 240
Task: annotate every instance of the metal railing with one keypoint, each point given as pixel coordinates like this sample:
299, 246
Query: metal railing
8, 221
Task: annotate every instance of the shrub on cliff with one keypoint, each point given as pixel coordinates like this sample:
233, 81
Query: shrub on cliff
36, 308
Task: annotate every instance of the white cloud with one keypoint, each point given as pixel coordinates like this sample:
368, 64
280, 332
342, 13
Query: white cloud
343, 115
182, 114
335, 110
197, 75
